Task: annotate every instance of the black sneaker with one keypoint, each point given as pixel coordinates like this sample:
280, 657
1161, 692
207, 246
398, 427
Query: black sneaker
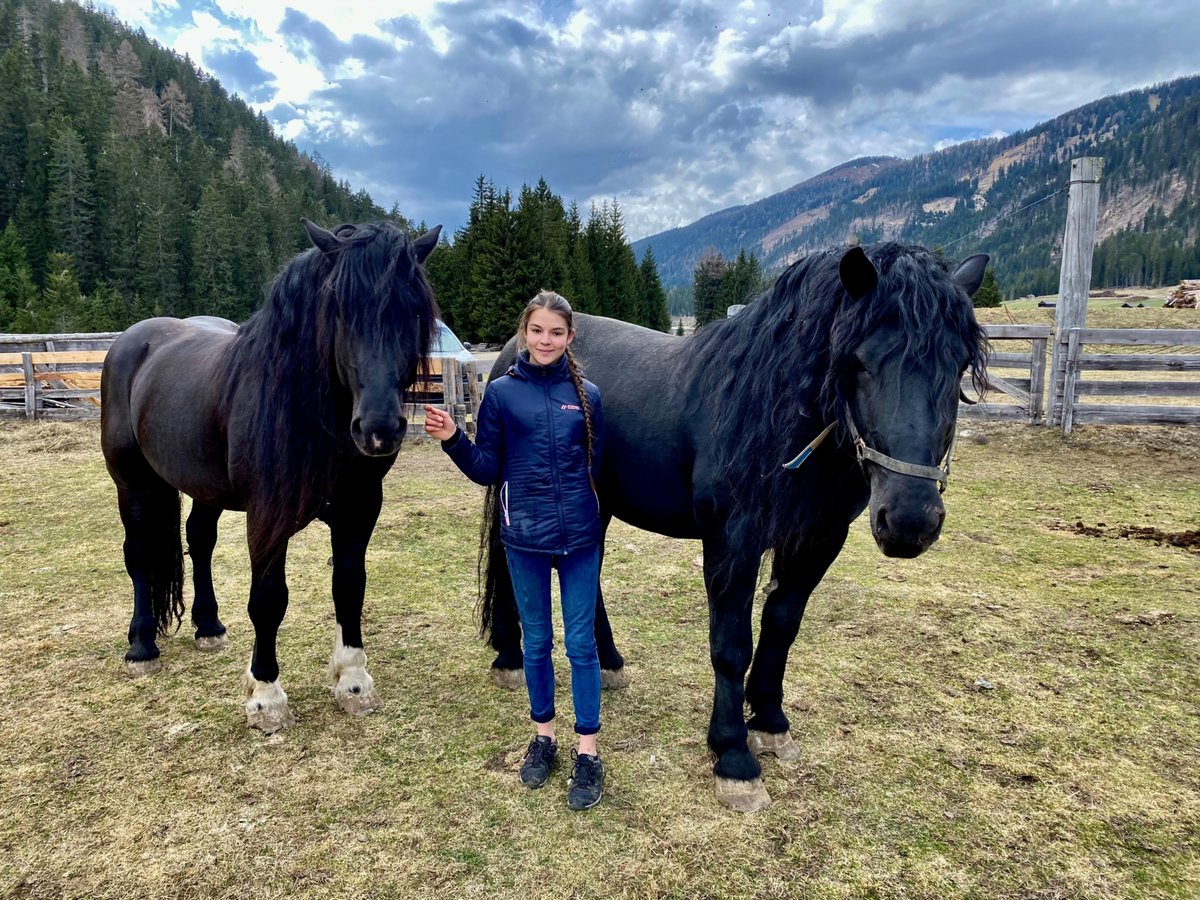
586, 783
540, 759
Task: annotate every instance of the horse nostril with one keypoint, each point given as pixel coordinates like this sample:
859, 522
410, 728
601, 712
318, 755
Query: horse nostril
356, 689
881, 524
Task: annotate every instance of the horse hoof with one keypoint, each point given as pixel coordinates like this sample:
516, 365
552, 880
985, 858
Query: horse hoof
742, 796
614, 679
138, 668
356, 694
512, 679
212, 644
266, 706
781, 744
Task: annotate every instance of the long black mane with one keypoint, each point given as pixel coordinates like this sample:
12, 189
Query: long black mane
788, 366
283, 355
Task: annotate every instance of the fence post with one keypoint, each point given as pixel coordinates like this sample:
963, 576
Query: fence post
30, 385
472, 396
1037, 379
451, 382
1075, 275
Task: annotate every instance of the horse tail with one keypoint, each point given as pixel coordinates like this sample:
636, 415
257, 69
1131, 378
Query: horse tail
166, 564
498, 620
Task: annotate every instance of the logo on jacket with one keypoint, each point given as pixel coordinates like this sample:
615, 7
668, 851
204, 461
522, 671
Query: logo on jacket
570, 406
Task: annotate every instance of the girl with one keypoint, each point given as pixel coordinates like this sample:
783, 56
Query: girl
539, 436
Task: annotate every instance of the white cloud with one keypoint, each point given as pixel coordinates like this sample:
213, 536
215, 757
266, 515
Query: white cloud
675, 109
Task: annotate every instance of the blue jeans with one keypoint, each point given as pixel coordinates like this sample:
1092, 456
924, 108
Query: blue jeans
578, 579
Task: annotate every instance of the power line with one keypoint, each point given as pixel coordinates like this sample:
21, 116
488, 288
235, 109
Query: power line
1061, 190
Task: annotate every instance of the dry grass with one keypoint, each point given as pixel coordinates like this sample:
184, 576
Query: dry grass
1076, 775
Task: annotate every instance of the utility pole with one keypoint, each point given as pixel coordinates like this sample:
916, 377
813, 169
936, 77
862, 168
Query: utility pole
1075, 276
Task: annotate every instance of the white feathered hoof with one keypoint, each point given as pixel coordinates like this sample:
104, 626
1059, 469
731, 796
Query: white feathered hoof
138, 668
266, 705
781, 745
355, 692
512, 679
614, 679
742, 796
212, 644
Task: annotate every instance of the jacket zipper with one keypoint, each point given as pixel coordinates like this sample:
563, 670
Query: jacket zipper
558, 500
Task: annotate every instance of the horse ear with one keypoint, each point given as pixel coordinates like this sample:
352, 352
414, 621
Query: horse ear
425, 244
325, 241
969, 275
858, 274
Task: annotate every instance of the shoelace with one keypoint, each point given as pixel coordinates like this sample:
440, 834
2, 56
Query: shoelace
585, 772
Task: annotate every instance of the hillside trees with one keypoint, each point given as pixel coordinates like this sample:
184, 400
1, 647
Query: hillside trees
504, 255
718, 284
132, 174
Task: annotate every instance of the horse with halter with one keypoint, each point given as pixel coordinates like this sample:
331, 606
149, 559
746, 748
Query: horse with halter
295, 415
771, 431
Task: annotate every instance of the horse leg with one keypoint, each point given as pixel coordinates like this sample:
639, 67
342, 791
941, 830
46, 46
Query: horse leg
154, 561
266, 703
503, 622
729, 577
201, 539
794, 577
351, 519
612, 665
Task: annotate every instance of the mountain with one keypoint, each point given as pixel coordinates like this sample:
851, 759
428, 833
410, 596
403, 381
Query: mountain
133, 184
1002, 196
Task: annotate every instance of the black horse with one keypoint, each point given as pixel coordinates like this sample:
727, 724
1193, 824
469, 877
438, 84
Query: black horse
296, 415
703, 437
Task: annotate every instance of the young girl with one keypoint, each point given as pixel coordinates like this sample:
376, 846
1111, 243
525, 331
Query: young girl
538, 436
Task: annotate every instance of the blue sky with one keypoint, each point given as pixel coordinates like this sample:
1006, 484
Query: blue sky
676, 109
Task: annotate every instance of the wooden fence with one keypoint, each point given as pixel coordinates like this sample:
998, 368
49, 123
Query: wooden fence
52, 376
1019, 396
1081, 383
58, 376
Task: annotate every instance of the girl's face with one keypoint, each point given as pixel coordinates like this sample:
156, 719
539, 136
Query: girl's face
547, 336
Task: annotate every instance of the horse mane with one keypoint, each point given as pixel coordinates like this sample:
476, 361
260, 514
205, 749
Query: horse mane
284, 356
790, 364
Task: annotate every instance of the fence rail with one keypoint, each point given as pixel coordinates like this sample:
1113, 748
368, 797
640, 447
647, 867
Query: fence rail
57, 376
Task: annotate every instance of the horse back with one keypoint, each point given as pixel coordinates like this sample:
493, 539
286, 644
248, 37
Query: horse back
162, 388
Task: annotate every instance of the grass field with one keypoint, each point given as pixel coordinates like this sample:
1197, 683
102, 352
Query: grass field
1014, 714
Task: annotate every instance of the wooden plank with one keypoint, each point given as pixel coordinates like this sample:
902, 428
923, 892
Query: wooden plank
69, 393
1139, 388
993, 412
60, 357
1114, 414
1162, 362
1003, 385
1148, 337
1016, 332
1009, 360
74, 412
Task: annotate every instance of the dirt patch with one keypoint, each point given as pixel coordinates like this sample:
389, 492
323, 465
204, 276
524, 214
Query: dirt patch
1186, 540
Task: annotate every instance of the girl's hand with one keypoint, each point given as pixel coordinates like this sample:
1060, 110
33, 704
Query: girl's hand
439, 423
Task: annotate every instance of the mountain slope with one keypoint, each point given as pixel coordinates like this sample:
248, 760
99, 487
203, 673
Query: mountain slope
1003, 196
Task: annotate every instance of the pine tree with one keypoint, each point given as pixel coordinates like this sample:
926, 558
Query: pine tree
17, 290
71, 201
989, 292
652, 298
706, 287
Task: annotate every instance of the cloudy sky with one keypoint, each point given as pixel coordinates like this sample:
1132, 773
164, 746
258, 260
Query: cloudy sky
676, 109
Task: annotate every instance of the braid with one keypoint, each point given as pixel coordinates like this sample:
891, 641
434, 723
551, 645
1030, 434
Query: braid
577, 377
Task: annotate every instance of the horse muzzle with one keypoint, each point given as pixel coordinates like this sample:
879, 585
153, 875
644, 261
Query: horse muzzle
906, 515
378, 436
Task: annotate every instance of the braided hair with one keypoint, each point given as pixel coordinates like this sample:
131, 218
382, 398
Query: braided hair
556, 303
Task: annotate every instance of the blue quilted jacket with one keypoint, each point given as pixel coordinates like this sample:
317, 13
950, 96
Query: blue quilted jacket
530, 439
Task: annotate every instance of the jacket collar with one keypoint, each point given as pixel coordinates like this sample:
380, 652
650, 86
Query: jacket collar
531, 371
